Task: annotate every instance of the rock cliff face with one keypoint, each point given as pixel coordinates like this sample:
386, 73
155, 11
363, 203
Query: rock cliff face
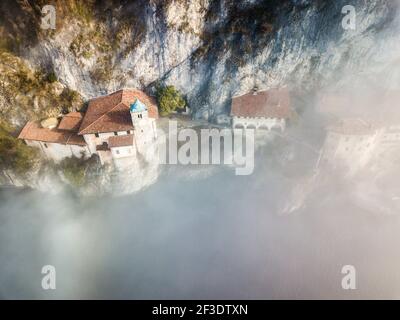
209, 49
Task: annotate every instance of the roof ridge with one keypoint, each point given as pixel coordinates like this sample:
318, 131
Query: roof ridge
69, 137
104, 115
100, 97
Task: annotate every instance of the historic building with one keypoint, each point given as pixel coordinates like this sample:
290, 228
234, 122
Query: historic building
114, 126
354, 141
267, 109
59, 141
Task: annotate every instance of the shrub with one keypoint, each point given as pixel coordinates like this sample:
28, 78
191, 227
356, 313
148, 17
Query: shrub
15, 155
74, 170
51, 77
169, 99
78, 170
70, 100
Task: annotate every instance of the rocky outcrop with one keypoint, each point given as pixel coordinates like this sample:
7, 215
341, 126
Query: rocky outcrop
211, 50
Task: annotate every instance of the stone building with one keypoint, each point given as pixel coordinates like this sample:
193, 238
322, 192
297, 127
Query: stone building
267, 109
354, 142
59, 142
114, 126
122, 113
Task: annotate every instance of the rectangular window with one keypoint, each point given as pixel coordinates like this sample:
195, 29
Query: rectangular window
128, 132
117, 151
115, 133
96, 135
45, 145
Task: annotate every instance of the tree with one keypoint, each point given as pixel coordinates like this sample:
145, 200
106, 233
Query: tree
15, 155
74, 170
169, 100
51, 77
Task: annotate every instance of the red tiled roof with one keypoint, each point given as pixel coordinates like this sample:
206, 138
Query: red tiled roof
120, 141
74, 139
71, 121
111, 113
273, 103
33, 131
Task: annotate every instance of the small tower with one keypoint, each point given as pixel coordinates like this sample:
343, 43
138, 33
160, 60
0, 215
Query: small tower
138, 112
144, 128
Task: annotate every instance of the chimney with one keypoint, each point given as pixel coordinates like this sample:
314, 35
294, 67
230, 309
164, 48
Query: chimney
255, 89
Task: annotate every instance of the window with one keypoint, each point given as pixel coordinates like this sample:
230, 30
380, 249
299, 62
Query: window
96, 135
140, 116
115, 133
45, 145
117, 151
128, 132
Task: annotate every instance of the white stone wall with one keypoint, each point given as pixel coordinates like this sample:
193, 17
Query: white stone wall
92, 141
57, 151
138, 117
122, 152
105, 156
390, 135
356, 151
258, 123
77, 151
352, 150
145, 134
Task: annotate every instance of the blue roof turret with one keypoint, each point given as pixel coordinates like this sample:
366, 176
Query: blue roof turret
138, 106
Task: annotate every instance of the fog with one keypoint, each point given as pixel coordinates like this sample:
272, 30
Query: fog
202, 233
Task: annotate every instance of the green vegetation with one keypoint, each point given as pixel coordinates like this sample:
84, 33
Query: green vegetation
40, 77
15, 155
29, 94
83, 9
169, 100
51, 77
75, 169
79, 47
70, 100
